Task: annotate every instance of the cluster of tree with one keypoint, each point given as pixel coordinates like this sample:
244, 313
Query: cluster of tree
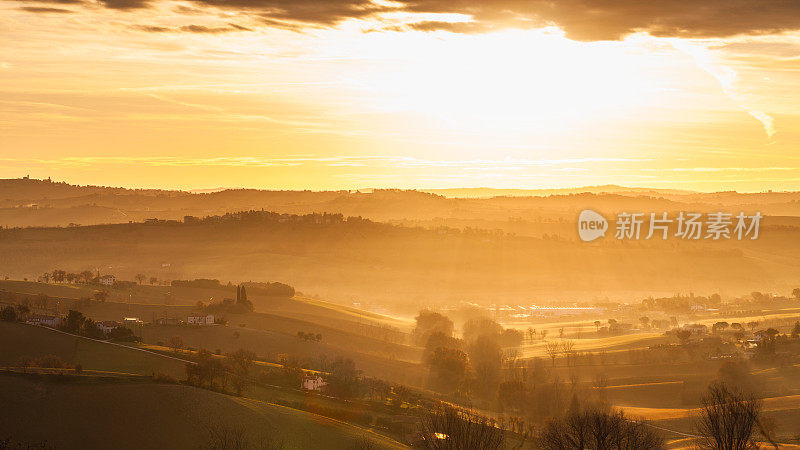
343, 379
313, 337
76, 323
680, 303
14, 313
428, 322
289, 375
273, 289
472, 365
62, 276
445, 427
202, 283
141, 278
597, 428
565, 348
241, 305
218, 373
47, 361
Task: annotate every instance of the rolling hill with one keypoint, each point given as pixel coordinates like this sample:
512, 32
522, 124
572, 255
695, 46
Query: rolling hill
78, 415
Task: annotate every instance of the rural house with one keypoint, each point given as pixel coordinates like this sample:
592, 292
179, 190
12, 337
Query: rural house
313, 382
200, 319
49, 321
107, 325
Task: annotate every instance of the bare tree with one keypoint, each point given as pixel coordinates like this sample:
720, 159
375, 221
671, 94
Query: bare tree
448, 428
568, 348
86, 276
552, 349
140, 277
598, 429
729, 419
175, 343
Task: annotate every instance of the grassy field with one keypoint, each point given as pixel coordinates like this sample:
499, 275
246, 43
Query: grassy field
270, 344
373, 341
610, 343
19, 340
75, 415
102, 360
167, 297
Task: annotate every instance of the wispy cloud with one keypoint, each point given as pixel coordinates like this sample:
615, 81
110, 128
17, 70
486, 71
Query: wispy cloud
726, 77
332, 161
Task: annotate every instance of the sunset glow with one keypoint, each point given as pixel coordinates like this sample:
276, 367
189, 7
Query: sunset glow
208, 97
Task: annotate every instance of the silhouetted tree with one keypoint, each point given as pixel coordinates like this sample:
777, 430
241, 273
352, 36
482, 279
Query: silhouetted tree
8, 314
597, 429
511, 337
175, 343
475, 328
486, 358
448, 368
729, 419
553, 349
73, 322
86, 276
447, 428
429, 322
240, 364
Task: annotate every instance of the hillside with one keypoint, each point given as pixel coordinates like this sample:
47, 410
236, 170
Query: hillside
79, 404
112, 415
29, 202
360, 338
349, 260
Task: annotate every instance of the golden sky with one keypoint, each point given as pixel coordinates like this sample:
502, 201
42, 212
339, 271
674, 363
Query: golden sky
304, 94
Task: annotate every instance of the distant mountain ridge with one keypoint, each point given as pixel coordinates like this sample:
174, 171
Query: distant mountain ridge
486, 192
31, 202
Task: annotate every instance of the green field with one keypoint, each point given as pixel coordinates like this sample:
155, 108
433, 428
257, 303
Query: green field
74, 415
19, 340
85, 411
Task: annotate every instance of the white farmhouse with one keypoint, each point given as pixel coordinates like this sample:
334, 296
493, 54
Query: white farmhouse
48, 321
107, 280
200, 319
107, 325
313, 382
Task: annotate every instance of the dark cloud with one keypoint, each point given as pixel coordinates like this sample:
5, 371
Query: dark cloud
151, 28
613, 19
580, 19
125, 4
45, 10
57, 2
231, 27
213, 30
309, 12
454, 27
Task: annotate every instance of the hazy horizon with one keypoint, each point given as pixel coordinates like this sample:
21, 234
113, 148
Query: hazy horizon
444, 190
